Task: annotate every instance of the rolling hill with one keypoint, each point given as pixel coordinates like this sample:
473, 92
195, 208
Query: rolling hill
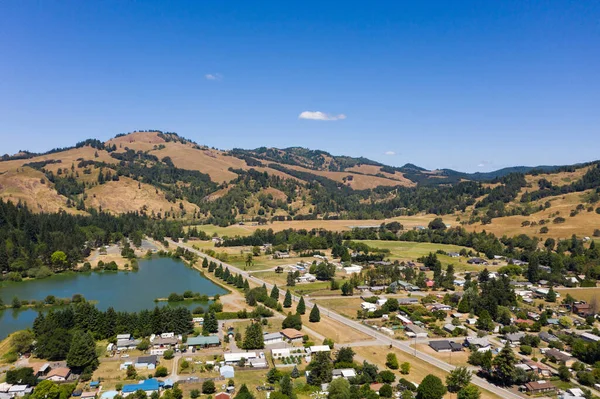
163, 175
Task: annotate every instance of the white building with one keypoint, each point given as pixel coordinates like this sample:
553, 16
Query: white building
319, 348
272, 338
232, 358
353, 269
371, 307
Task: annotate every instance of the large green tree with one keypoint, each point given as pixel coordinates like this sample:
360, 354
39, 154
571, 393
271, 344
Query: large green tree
431, 388
321, 369
287, 302
458, 378
82, 354
301, 308
253, 338
504, 365
339, 389
315, 315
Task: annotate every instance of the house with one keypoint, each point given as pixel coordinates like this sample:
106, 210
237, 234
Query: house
403, 319
281, 255
403, 285
537, 387
440, 306
58, 374
577, 392
539, 368
164, 342
203, 342
429, 283
453, 254
149, 386
343, 373
126, 344
408, 301
259, 362
227, 372
381, 301
415, 331
88, 395
445, 346
272, 338
481, 344
562, 357
217, 240
306, 278
451, 328
235, 357
514, 338
471, 321
589, 337
123, 336
292, 335
582, 309
319, 348
547, 337
477, 261
459, 283
222, 395
368, 306
19, 390
146, 362
40, 369
354, 269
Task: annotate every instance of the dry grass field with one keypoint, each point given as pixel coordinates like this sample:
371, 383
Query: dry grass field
590, 295
581, 225
419, 368
25, 184
453, 358
329, 328
127, 195
346, 307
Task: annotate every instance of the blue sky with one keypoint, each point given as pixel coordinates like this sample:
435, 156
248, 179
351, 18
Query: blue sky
473, 86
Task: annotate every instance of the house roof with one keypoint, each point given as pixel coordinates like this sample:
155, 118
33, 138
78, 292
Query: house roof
415, 329
291, 333
153, 359
202, 341
59, 372
145, 385
514, 337
270, 336
222, 395
237, 356
537, 385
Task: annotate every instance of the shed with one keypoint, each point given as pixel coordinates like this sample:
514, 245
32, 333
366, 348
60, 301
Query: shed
227, 372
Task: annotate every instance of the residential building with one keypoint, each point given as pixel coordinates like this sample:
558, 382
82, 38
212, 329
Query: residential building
514, 338
547, 337
537, 387
59, 374
343, 373
445, 346
203, 342
354, 269
146, 362
292, 335
149, 386
319, 348
480, 344
403, 319
560, 356
582, 309
235, 357
408, 301
589, 337
451, 328
281, 255
279, 353
272, 338
222, 395
368, 306
259, 362
477, 261
413, 331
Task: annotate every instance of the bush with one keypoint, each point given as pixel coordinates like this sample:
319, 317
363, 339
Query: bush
161, 371
386, 391
526, 350
169, 354
208, 387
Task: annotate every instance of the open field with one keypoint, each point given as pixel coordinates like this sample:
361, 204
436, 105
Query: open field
590, 295
347, 307
334, 330
453, 358
418, 370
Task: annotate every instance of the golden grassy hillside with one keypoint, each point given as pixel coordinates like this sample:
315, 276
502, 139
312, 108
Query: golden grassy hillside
26, 185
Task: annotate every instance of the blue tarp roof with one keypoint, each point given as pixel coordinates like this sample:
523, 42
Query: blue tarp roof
146, 385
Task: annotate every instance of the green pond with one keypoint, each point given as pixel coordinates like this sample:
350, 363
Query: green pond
127, 291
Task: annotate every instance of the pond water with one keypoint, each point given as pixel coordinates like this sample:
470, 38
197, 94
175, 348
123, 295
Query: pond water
127, 291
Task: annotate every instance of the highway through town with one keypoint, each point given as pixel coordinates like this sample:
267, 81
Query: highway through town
480, 382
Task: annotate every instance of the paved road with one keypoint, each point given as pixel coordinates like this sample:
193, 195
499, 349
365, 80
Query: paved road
482, 383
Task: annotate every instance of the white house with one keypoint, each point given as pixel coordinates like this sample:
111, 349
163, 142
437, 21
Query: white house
403, 319
319, 348
381, 301
279, 353
353, 269
232, 358
371, 307
343, 373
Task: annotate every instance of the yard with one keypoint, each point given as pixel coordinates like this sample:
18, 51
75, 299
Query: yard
330, 329
347, 307
453, 358
590, 295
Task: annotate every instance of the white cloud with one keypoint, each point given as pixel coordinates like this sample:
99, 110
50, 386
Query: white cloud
389, 153
483, 164
213, 76
320, 116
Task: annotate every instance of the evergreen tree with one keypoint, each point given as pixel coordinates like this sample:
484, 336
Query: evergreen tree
82, 354
244, 393
253, 338
275, 293
392, 361
551, 295
321, 369
287, 302
205, 263
315, 315
286, 387
533, 269
295, 373
290, 281
504, 365
301, 308
339, 389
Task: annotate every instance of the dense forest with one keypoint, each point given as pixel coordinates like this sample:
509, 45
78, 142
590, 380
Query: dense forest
38, 244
